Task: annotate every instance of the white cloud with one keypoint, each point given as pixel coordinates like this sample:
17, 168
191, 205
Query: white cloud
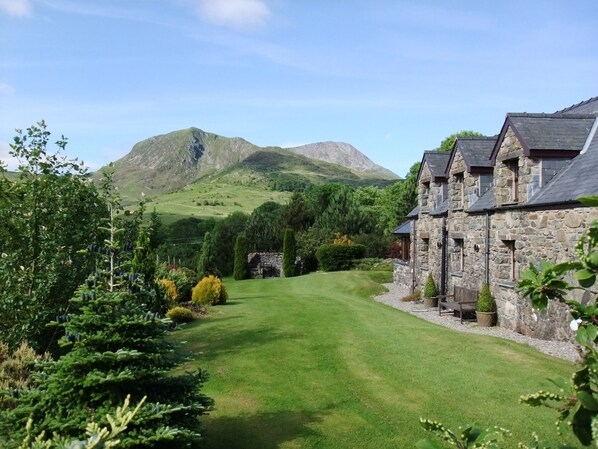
18, 8
6, 159
234, 13
6, 89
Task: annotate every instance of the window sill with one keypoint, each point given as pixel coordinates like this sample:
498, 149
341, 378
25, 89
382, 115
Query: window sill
507, 284
456, 274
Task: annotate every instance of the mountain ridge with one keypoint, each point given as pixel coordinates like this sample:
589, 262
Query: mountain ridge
168, 162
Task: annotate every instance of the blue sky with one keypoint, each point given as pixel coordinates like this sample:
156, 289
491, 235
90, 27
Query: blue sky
392, 78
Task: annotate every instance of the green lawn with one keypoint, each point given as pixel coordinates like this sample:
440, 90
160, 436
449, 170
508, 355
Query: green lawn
313, 362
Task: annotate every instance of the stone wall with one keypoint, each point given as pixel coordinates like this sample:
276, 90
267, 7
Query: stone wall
535, 236
403, 274
263, 265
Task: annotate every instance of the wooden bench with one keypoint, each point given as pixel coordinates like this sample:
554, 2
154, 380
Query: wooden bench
463, 300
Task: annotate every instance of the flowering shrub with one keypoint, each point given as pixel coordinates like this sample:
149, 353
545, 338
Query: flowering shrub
168, 289
209, 291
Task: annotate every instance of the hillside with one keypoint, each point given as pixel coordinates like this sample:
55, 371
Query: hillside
169, 162
346, 155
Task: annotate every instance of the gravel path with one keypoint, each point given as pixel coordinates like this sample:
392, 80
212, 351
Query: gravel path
563, 350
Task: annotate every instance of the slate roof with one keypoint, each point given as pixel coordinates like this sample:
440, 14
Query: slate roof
476, 151
585, 107
485, 202
437, 162
442, 209
405, 228
564, 132
414, 212
576, 179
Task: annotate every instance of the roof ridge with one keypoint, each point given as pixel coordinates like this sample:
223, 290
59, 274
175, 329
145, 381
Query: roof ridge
581, 103
551, 115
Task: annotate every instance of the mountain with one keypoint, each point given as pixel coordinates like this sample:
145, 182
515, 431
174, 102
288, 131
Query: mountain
343, 154
169, 162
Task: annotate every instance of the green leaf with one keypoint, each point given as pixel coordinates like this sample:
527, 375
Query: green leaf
588, 400
560, 382
582, 336
585, 277
592, 332
589, 201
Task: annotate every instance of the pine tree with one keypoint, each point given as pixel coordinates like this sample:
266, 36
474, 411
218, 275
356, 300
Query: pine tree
116, 347
241, 270
289, 253
207, 262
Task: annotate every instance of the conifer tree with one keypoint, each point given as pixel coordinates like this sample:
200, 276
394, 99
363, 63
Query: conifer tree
289, 253
241, 266
116, 348
207, 259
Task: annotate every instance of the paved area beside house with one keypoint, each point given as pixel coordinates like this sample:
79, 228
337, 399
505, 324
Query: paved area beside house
563, 350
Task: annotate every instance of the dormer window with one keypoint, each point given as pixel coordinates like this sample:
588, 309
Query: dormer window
460, 190
513, 181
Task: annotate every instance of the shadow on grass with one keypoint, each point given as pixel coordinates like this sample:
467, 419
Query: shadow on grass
261, 431
233, 341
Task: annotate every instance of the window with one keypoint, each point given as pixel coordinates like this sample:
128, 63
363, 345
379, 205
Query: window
405, 244
485, 182
513, 182
460, 190
425, 194
458, 259
511, 261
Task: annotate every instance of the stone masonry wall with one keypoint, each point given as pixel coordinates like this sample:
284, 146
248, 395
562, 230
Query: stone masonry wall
536, 235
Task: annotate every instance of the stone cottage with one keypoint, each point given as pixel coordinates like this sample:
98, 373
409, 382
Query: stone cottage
494, 205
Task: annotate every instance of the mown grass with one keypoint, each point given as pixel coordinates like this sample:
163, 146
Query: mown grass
313, 362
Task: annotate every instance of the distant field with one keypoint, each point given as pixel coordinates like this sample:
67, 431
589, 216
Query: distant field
213, 200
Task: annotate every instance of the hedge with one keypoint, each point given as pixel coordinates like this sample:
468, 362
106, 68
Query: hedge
337, 257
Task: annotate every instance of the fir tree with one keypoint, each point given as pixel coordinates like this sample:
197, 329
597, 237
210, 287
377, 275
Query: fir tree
241, 266
116, 348
207, 259
289, 253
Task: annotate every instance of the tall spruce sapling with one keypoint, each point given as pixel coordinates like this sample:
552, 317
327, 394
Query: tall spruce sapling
289, 254
116, 347
241, 269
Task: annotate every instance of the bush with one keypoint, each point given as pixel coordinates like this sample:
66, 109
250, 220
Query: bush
184, 278
168, 289
374, 264
210, 290
430, 289
180, 315
333, 257
485, 302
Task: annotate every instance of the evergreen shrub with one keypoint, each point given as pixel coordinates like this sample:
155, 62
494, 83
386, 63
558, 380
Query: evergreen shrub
430, 289
289, 254
180, 314
485, 302
209, 291
241, 266
334, 257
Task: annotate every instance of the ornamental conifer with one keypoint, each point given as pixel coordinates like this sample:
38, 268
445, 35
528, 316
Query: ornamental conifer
116, 347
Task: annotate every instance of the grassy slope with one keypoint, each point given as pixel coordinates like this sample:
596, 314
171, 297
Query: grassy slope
184, 202
313, 362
